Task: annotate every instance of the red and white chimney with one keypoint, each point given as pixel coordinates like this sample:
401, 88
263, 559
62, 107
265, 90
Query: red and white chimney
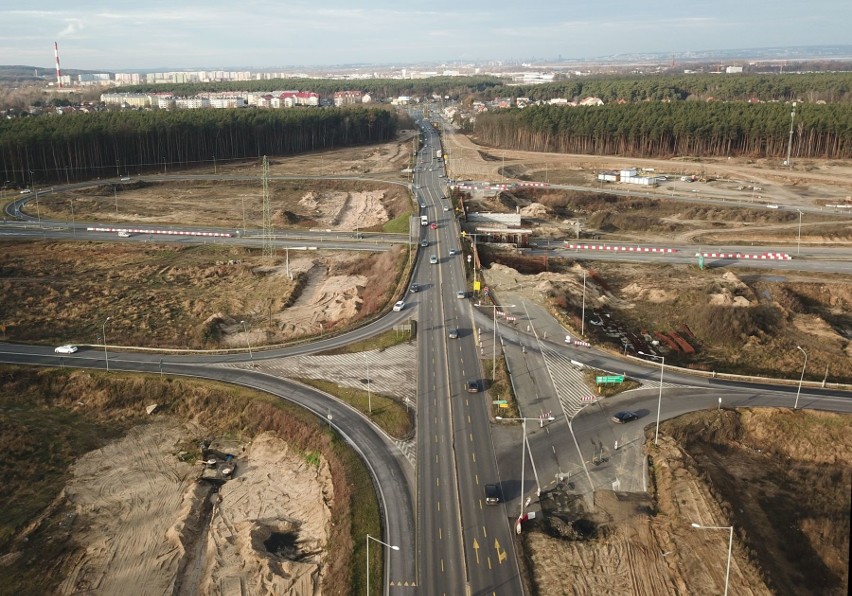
58, 70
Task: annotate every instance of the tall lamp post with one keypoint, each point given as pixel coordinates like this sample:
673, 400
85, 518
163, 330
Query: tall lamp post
369, 393
391, 546
730, 547
583, 313
494, 346
802, 378
103, 334
248, 343
524, 458
799, 237
662, 360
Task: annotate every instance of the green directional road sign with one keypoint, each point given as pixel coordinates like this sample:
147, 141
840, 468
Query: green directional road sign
612, 379
499, 402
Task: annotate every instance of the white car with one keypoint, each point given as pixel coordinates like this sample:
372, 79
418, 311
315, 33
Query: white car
124, 234
399, 305
433, 259
66, 349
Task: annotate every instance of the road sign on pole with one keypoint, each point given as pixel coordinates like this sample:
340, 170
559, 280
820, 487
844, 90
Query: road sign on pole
614, 379
499, 402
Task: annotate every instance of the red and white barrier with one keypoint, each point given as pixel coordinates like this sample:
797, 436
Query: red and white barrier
772, 256
619, 248
534, 184
164, 232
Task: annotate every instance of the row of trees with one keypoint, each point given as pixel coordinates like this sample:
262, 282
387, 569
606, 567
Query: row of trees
679, 128
455, 87
811, 87
86, 146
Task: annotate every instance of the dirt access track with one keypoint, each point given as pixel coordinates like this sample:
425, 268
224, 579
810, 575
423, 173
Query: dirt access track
763, 181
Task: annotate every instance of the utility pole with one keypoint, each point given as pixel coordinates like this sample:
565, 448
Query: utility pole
268, 250
790, 139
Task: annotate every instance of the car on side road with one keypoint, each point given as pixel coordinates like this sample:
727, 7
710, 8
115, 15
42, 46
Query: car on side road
399, 305
625, 417
66, 349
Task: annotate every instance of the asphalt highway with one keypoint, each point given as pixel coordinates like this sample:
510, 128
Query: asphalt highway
450, 541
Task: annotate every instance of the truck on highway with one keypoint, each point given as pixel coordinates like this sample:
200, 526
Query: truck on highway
438, 154
424, 220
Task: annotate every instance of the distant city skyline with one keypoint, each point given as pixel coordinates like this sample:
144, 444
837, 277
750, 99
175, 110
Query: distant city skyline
260, 34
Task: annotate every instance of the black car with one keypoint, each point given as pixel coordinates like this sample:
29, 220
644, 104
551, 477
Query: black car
424, 243
414, 288
454, 333
622, 417
492, 494
473, 386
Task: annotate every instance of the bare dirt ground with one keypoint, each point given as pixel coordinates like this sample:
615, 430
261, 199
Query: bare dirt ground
740, 322
184, 297
325, 204
140, 510
813, 182
747, 461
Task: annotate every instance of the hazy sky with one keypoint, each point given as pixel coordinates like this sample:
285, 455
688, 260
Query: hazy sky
263, 33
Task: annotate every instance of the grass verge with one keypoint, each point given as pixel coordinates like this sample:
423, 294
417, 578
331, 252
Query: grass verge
390, 415
398, 225
501, 388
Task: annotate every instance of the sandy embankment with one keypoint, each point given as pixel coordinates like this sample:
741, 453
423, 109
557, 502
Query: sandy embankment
143, 527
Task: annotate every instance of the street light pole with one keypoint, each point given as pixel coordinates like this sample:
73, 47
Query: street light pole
524, 444
391, 546
799, 239
583, 315
248, 343
662, 360
103, 334
802, 378
369, 393
730, 547
494, 346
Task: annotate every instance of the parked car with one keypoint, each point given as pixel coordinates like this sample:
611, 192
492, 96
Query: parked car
623, 417
399, 305
66, 349
473, 386
25, 191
